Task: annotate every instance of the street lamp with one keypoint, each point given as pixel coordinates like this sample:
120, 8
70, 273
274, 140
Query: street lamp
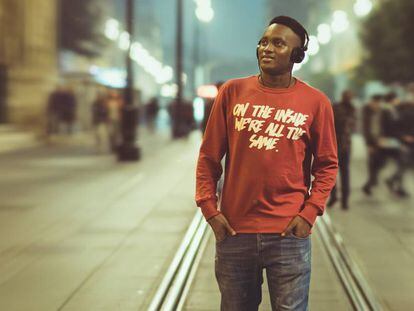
128, 151
178, 128
205, 14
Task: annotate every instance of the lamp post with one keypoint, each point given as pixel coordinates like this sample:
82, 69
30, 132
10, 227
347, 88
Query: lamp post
178, 129
204, 13
128, 151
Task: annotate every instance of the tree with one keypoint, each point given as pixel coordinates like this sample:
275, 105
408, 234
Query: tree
82, 26
386, 35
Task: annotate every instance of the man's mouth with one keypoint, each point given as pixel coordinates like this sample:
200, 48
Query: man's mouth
268, 58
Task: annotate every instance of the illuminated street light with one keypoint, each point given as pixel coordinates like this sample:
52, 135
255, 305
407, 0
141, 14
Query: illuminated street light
324, 33
313, 46
112, 29
362, 7
340, 21
204, 14
124, 42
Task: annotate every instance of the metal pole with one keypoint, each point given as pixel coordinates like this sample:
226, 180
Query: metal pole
178, 126
128, 151
196, 53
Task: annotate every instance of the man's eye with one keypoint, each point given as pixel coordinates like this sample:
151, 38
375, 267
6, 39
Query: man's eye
263, 42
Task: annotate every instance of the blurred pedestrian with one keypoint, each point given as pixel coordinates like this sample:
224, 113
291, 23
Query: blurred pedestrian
151, 112
391, 143
100, 119
114, 104
371, 125
54, 109
269, 126
345, 120
68, 106
390, 146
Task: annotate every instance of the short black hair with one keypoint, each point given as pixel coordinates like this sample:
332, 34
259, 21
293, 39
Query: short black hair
293, 24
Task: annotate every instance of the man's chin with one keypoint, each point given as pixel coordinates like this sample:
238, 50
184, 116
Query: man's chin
274, 71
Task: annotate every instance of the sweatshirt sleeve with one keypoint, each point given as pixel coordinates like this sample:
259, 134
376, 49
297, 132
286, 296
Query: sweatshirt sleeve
212, 150
325, 162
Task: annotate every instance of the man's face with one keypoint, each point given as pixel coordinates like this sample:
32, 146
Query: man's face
275, 48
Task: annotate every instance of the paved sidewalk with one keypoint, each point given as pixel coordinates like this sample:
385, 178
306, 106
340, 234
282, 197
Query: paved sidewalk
80, 231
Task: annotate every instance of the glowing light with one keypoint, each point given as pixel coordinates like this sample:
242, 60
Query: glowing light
112, 29
207, 91
198, 107
362, 7
205, 14
165, 75
340, 21
324, 33
169, 90
143, 58
313, 47
124, 41
112, 77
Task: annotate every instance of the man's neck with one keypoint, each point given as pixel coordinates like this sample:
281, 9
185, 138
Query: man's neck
277, 81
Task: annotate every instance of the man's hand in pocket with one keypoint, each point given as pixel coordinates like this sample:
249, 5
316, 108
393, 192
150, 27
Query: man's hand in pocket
221, 227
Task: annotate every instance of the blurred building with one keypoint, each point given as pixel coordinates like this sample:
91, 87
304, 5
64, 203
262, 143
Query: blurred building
28, 62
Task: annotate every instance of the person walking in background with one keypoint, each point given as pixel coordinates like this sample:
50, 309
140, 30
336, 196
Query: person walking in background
389, 146
269, 126
114, 105
371, 127
151, 112
100, 118
68, 108
54, 110
345, 120
392, 143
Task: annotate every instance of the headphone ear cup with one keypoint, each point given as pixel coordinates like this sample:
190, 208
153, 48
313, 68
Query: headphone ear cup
257, 52
297, 55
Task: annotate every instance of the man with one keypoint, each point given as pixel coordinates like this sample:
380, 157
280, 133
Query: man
392, 142
344, 115
371, 122
268, 126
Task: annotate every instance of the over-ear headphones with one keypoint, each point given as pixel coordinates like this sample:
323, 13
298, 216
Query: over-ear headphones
298, 53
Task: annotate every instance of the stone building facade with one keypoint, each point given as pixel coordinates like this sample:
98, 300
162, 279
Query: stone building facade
28, 61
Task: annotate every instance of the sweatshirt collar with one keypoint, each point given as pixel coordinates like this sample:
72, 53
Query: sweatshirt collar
266, 89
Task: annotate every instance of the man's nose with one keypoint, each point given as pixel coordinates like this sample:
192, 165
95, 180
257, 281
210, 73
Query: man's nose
268, 49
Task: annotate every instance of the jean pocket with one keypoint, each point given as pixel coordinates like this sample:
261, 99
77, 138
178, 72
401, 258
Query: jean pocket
299, 237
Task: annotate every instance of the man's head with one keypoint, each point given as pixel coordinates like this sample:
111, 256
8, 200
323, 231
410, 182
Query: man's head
283, 43
347, 96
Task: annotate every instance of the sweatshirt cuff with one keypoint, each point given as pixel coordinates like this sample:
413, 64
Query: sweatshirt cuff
209, 208
309, 213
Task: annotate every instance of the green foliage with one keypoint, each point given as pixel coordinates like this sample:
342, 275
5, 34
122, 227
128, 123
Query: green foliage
82, 27
387, 37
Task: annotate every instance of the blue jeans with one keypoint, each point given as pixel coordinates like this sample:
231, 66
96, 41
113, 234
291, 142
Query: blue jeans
239, 265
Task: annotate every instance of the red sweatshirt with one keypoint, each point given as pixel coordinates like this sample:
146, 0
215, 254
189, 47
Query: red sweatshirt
269, 137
